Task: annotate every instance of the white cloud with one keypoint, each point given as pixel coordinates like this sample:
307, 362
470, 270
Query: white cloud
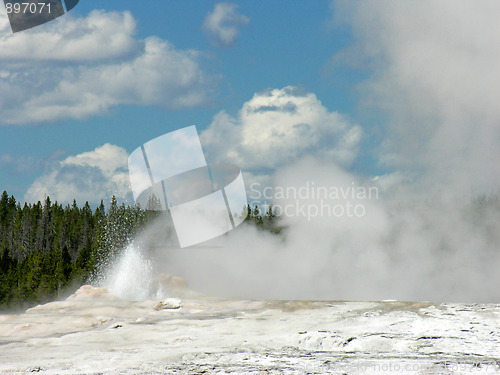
222, 25
90, 176
434, 70
272, 130
99, 36
76, 67
278, 127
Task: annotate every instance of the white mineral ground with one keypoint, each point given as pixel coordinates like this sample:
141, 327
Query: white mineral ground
93, 332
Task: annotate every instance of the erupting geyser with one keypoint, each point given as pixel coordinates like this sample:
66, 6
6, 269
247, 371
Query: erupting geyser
131, 277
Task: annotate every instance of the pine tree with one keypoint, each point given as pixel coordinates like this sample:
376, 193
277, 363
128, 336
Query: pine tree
45, 247
270, 213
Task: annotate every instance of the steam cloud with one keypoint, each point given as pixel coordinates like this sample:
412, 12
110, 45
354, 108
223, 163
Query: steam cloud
404, 247
430, 234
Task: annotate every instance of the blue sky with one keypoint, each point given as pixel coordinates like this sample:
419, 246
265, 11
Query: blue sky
380, 98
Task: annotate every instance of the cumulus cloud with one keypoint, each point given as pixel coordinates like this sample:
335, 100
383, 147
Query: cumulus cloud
277, 127
76, 67
223, 23
77, 39
434, 71
89, 176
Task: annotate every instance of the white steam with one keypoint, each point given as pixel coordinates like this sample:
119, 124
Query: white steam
403, 247
434, 77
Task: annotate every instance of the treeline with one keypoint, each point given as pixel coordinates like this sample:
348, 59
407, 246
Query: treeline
47, 248
263, 220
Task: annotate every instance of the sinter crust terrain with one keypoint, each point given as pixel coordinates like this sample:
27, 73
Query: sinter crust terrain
93, 332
